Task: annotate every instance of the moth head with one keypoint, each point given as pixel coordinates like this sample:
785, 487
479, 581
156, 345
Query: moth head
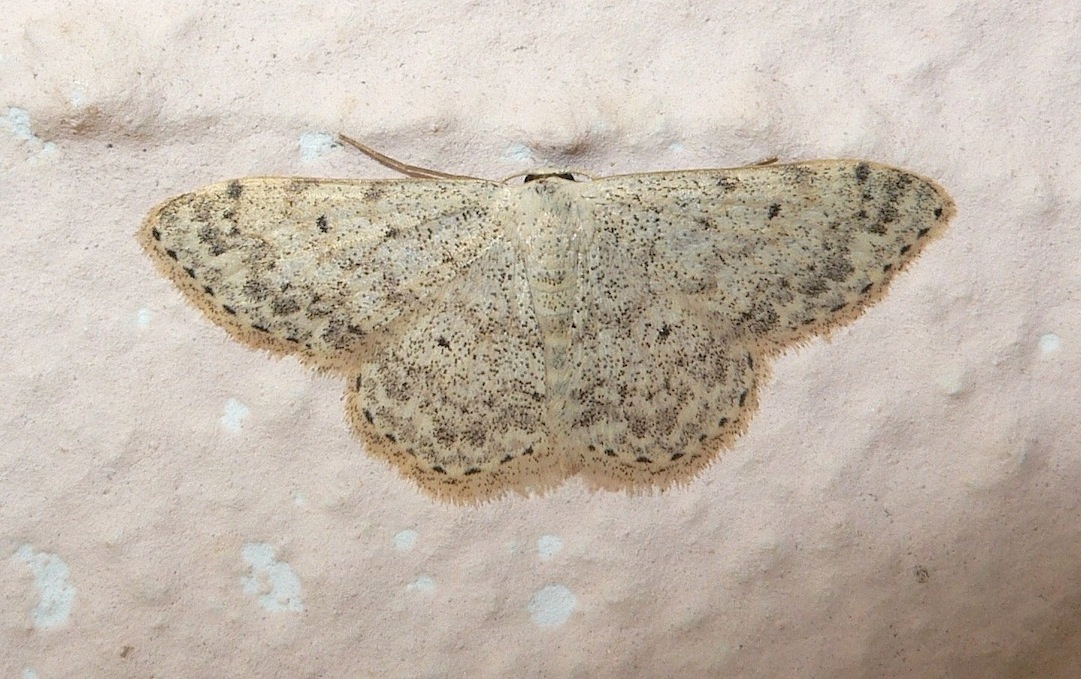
550, 176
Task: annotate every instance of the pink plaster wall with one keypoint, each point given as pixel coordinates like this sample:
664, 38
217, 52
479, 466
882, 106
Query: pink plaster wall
172, 504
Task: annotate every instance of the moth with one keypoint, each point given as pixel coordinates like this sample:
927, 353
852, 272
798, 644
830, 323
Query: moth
503, 336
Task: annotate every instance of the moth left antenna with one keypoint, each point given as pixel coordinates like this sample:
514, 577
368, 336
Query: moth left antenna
398, 166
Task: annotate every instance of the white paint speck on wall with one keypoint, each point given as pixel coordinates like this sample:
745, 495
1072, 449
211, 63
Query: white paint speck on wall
423, 584
143, 318
273, 582
17, 122
405, 540
1049, 342
314, 145
51, 579
235, 414
547, 546
551, 606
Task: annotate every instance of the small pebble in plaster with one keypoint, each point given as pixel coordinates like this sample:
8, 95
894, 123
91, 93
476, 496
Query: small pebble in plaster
56, 595
547, 546
314, 145
1049, 343
143, 318
30, 673
405, 540
951, 381
17, 121
273, 582
500, 337
423, 584
235, 413
552, 605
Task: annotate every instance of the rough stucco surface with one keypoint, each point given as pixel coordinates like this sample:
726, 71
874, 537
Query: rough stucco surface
173, 504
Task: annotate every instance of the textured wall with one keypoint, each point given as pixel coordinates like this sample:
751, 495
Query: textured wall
174, 504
